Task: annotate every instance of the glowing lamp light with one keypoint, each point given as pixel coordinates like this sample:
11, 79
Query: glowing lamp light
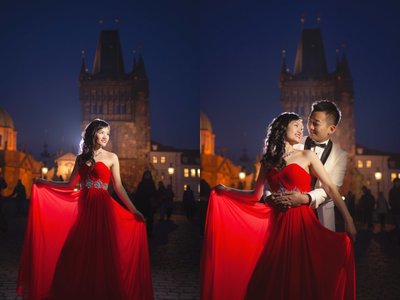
171, 171
242, 175
378, 175
45, 170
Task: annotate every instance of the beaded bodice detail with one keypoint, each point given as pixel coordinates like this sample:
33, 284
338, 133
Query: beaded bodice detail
96, 178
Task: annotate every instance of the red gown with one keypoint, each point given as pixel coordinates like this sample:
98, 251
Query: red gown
83, 244
253, 251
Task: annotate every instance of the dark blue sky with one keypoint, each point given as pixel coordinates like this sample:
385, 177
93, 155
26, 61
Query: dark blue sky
40, 58
241, 43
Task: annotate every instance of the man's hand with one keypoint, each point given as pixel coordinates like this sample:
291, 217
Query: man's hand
288, 199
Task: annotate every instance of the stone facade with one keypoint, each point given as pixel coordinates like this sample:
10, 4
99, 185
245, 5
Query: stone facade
121, 99
310, 81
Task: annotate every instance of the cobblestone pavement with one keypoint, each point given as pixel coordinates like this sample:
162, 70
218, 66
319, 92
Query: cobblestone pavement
175, 252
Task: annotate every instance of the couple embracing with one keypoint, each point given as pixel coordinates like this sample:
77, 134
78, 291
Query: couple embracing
277, 248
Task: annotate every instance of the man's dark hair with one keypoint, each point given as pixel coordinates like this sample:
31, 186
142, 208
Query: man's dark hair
333, 113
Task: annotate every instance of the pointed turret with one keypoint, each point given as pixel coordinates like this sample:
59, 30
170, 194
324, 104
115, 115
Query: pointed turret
134, 64
337, 69
310, 57
140, 75
140, 69
344, 68
83, 74
284, 70
108, 61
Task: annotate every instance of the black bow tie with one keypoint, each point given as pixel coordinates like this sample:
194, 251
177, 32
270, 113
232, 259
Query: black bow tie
314, 144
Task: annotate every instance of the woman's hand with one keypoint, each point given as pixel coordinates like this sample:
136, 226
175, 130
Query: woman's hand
139, 215
350, 229
220, 188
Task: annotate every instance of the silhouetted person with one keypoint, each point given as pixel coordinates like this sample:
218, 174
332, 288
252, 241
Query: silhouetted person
145, 196
205, 191
381, 210
367, 204
162, 199
394, 201
3, 221
189, 203
20, 197
351, 203
170, 202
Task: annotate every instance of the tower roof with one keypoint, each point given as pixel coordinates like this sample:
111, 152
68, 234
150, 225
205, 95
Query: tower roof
108, 61
205, 123
5, 119
310, 57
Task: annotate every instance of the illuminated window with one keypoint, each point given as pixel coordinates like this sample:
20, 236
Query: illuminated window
393, 176
198, 172
193, 172
163, 159
360, 164
186, 172
155, 159
368, 164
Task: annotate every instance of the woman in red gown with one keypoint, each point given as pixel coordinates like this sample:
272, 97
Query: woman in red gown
257, 251
82, 244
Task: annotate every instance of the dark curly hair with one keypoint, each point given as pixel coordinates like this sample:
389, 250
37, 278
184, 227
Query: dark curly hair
88, 141
274, 146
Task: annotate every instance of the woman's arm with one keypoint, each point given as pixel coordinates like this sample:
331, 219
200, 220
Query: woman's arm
319, 171
250, 195
69, 184
119, 188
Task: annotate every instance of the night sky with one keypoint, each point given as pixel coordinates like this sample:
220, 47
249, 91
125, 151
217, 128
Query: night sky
40, 59
241, 43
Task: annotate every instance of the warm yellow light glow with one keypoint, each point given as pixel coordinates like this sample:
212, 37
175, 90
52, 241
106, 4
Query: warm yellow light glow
198, 173
242, 175
378, 175
163, 159
155, 159
368, 164
193, 172
360, 164
185, 172
45, 170
171, 171
393, 176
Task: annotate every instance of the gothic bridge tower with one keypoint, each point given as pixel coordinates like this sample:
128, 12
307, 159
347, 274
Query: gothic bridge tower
122, 99
311, 81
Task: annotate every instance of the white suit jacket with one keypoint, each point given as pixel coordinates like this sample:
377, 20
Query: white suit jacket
335, 166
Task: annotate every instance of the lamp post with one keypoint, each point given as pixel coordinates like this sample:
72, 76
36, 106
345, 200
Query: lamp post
378, 178
171, 172
44, 172
242, 176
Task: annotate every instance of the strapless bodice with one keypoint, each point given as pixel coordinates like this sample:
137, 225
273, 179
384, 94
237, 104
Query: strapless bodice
98, 177
291, 177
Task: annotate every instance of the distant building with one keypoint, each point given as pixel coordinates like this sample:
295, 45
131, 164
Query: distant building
311, 81
368, 162
216, 169
15, 164
122, 99
185, 164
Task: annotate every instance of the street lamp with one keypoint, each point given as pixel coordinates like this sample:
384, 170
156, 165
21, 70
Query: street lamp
171, 172
242, 176
44, 172
378, 177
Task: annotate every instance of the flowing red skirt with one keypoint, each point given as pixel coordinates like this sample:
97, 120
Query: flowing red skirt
83, 245
252, 251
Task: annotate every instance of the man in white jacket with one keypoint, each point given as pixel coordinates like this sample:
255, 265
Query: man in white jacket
322, 122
